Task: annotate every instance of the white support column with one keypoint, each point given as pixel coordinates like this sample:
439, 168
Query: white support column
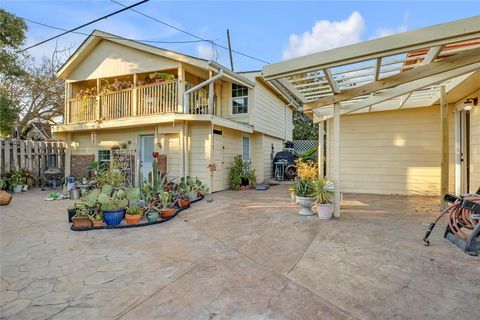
336, 158
321, 147
98, 113
134, 95
68, 153
458, 153
444, 144
181, 89
211, 92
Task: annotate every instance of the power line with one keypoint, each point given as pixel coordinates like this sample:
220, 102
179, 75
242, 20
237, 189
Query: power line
191, 34
107, 37
84, 25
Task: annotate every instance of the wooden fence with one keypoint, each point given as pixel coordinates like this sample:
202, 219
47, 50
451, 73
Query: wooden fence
31, 155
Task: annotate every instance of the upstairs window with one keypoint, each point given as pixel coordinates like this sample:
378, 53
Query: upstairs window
239, 99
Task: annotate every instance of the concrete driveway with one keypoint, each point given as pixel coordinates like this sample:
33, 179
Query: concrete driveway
246, 255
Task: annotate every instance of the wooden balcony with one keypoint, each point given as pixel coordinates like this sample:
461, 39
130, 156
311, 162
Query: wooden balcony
152, 99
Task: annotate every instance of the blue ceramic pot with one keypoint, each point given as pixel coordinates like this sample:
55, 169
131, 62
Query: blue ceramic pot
112, 218
152, 216
71, 213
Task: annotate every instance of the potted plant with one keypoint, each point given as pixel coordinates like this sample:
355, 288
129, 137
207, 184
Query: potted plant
304, 196
97, 219
81, 219
72, 211
165, 198
323, 192
16, 181
134, 214
113, 207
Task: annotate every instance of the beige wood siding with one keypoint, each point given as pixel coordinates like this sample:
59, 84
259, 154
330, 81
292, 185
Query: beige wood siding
106, 139
199, 151
475, 147
232, 143
226, 104
172, 141
256, 147
392, 152
271, 117
110, 59
268, 142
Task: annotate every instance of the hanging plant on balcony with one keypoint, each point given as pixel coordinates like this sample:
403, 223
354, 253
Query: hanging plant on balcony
85, 94
159, 77
116, 85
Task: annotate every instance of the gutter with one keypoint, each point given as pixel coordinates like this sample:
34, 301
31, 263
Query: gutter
232, 74
186, 101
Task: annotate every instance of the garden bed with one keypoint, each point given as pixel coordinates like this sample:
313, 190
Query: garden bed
124, 225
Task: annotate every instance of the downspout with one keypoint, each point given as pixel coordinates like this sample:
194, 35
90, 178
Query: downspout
186, 101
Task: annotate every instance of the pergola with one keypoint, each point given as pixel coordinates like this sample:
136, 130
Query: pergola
407, 70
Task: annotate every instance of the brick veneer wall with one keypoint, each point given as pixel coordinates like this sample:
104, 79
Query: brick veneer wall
78, 166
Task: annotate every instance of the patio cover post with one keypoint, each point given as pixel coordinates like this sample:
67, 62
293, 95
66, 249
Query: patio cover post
444, 132
321, 146
336, 158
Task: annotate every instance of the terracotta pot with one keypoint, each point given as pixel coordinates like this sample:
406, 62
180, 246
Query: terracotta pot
167, 213
98, 223
183, 203
133, 218
82, 222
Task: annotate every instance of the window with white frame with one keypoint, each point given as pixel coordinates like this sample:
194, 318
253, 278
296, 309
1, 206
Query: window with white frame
104, 158
239, 99
246, 148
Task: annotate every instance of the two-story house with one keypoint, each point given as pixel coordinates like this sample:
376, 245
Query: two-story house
125, 100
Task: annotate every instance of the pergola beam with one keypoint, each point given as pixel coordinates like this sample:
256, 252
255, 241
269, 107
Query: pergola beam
446, 33
432, 54
378, 66
412, 86
428, 70
331, 81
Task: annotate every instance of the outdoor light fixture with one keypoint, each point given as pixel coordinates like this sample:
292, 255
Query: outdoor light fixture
469, 103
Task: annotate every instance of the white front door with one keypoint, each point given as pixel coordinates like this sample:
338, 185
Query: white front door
462, 153
146, 158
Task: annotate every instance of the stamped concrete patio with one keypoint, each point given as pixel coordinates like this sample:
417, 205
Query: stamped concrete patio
246, 255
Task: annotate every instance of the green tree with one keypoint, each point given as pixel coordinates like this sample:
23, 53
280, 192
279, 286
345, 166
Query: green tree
12, 37
8, 114
303, 127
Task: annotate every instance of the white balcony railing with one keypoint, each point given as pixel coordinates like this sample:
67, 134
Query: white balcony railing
158, 98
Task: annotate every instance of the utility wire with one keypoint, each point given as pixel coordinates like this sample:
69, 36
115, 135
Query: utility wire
190, 34
84, 25
107, 37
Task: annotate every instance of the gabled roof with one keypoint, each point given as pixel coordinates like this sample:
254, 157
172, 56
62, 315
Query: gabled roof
97, 36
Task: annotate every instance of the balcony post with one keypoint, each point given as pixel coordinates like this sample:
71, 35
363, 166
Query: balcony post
134, 95
98, 113
66, 112
211, 91
181, 89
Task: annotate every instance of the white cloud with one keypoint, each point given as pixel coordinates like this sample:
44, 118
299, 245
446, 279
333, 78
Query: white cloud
325, 35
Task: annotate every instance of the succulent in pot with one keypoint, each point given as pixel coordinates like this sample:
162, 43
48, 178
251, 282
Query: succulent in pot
165, 198
81, 219
304, 196
134, 214
97, 219
113, 207
323, 192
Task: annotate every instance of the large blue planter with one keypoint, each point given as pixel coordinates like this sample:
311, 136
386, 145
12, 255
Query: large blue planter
112, 218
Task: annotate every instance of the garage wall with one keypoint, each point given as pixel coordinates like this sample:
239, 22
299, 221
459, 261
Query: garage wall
392, 152
256, 146
268, 141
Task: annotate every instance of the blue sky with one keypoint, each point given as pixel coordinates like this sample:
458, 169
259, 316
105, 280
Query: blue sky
269, 30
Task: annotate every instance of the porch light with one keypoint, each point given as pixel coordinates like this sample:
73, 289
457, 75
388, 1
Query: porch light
469, 103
